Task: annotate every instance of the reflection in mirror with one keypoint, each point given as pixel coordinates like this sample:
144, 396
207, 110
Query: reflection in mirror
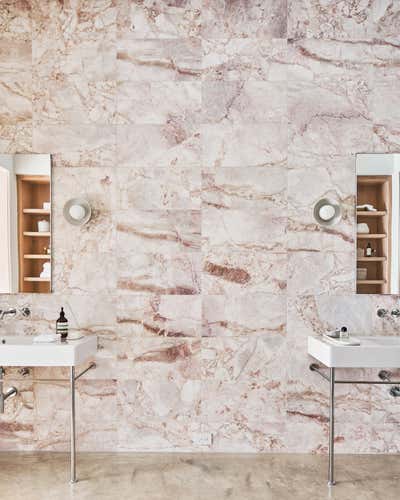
378, 214
25, 223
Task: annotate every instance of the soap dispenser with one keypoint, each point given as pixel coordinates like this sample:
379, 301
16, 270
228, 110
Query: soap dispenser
62, 325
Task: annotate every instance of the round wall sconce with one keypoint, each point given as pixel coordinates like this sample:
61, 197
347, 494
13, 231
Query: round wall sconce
77, 211
327, 212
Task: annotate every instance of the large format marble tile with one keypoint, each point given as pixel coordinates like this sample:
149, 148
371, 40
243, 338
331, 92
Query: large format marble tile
158, 103
245, 188
243, 230
95, 430
15, 19
249, 315
314, 273
323, 122
177, 142
176, 274
230, 59
90, 60
163, 231
343, 20
73, 99
235, 145
159, 316
247, 19
74, 145
158, 60
159, 188
241, 102
73, 22
235, 272
158, 19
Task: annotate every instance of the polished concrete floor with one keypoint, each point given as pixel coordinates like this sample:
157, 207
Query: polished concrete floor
120, 476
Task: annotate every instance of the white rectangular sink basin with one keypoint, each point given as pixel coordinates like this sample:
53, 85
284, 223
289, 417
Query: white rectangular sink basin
22, 351
373, 352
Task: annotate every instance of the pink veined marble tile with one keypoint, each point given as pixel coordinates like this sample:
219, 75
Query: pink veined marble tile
224, 19
74, 100
159, 188
73, 22
158, 103
158, 60
91, 60
16, 138
315, 273
175, 143
176, 316
343, 20
235, 145
15, 19
159, 20
242, 59
163, 231
245, 188
52, 415
243, 230
226, 272
243, 102
176, 274
248, 315
77, 145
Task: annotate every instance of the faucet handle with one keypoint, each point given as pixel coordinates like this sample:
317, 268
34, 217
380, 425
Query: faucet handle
25, 311
395, 312
382, 313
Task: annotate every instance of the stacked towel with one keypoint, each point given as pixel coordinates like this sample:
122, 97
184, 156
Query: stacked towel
46, 273
367, 207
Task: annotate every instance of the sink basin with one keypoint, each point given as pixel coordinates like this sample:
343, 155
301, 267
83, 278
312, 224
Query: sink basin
373, 352
22, 351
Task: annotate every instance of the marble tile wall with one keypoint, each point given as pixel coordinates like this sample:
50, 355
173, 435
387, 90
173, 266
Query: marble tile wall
202, 132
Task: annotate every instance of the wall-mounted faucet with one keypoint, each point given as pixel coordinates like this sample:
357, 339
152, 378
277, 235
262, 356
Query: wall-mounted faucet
7, 312
25, 312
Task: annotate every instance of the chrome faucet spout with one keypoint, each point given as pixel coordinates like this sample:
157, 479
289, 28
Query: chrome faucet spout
7, 312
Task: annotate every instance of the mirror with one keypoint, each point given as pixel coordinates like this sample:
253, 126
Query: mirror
25, 223
378, 223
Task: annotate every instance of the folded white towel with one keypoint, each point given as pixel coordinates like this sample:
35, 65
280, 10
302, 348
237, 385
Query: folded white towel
46, 338
367, 207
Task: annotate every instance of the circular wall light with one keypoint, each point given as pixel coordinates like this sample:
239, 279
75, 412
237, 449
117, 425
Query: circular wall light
77, 211
327, 212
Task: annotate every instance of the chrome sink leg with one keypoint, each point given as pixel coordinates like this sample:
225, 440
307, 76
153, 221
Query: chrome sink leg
331, 480
73, 451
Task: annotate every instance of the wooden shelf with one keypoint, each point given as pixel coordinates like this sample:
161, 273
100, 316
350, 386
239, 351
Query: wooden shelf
366, 213
37, 256
368, 236
33, 191
371, 282
371, 259
39, 211
36, 234
37, 279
